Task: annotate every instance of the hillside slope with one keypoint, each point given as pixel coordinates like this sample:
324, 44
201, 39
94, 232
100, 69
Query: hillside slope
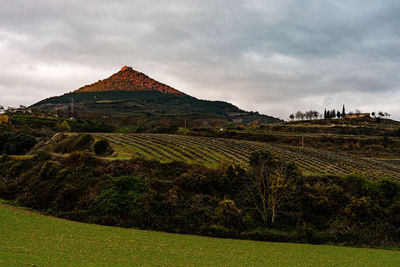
128, 95
212, 151
29, 238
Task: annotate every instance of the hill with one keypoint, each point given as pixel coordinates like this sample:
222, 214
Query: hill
46, 241
129, 80
131, 98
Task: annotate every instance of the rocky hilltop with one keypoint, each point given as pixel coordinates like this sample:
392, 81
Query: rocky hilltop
127, 79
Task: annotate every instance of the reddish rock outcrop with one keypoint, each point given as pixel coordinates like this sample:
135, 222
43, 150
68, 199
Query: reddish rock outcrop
127, 79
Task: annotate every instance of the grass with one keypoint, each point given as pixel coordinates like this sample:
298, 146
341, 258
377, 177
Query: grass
29, 238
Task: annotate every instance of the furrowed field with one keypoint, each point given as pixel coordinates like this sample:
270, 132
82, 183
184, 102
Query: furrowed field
210, 151
29, 238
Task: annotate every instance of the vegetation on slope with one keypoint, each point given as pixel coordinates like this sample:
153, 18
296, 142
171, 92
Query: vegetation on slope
143, 108
176, 197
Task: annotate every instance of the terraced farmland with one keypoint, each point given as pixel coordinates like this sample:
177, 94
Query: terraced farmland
211, 151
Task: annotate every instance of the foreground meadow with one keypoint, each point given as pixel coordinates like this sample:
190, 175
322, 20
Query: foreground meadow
28, 238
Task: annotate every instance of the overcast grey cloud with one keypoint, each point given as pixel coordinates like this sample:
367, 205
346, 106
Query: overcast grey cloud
275, 57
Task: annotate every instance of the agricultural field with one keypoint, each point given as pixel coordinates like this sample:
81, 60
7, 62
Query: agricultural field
29, 238
212, 151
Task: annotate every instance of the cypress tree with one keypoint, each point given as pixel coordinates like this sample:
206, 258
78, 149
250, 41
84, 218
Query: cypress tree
343, 112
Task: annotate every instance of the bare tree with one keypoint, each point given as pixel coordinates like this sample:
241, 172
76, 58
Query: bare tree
270, 183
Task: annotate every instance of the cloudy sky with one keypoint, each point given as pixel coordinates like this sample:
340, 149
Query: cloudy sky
275, 57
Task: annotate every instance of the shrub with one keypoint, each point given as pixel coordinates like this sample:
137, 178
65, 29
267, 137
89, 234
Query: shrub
217, 231
3, 119
16, 143
63, 126
125, 196
75, 143
228, 214
49, 169
102, 147
41, 156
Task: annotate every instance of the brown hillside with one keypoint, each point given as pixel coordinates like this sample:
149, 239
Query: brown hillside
128, 79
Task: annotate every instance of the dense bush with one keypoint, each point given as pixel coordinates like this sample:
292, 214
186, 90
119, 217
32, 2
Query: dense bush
16, 143
182, 198
102, 147
74, 143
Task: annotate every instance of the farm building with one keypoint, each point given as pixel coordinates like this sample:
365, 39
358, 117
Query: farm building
357, 115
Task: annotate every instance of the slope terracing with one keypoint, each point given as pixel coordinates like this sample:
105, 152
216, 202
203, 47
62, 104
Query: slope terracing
211, 151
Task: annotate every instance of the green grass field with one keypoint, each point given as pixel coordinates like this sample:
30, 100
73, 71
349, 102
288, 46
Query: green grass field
31, 239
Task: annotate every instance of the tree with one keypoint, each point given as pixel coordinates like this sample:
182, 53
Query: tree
380, 114
329, 114
343, 111
387, 115
325, 115
333, 114
373, 114
309, 114
3, 119
270, 183
63, 126
338, 114
315, 114
291, 116
299, 115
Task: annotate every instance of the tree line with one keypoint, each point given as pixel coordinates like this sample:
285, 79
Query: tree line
332, 114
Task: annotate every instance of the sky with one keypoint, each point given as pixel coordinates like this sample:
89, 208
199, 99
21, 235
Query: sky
274, 57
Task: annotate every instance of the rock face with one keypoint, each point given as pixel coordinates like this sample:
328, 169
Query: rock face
127, 79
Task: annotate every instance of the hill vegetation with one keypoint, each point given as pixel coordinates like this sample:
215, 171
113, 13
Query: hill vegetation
222, 201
